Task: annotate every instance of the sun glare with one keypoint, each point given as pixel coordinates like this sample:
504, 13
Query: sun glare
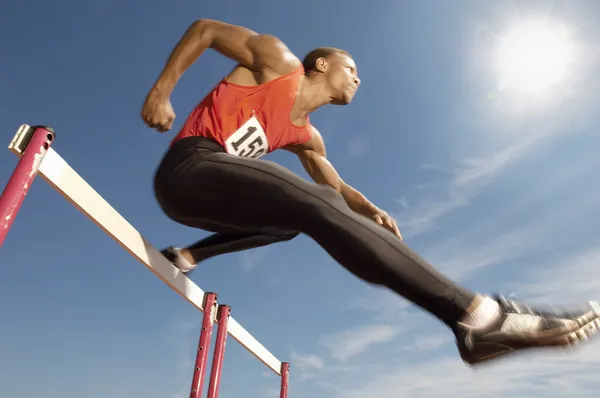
534, 56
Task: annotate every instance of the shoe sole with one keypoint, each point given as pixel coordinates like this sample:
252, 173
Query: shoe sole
565, 340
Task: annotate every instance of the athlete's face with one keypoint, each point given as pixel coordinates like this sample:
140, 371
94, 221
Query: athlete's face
342, 78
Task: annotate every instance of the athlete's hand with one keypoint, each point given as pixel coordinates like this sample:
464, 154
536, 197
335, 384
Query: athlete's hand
157, 111
383, 218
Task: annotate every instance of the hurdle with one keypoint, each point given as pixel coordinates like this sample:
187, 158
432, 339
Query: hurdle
33, 147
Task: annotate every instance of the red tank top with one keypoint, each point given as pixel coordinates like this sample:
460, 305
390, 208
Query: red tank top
249, 121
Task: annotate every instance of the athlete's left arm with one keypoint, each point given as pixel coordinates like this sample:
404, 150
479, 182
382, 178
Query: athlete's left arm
313, 157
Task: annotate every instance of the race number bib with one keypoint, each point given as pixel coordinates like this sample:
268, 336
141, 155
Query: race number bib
248, 141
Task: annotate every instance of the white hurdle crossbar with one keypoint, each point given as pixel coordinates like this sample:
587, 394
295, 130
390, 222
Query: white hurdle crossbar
33, 146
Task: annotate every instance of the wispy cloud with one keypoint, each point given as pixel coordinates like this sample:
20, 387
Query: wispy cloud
429, 342
548, 374
572, 279
465, 182
466, 254
350, 343
383, 304
251, 258
306, 362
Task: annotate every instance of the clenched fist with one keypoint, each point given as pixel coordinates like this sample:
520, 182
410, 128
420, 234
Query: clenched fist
158, 112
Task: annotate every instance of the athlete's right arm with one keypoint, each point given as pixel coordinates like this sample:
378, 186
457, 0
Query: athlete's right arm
258, 52
265, 55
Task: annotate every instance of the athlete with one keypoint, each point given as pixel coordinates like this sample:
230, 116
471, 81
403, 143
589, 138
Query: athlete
212, 177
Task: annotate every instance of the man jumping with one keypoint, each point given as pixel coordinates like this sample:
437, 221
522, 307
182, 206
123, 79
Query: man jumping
211, 178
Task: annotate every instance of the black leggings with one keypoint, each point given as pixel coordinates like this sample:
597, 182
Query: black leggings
229, 242
253, 202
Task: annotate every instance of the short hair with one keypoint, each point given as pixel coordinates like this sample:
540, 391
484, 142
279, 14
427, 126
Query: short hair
311, 58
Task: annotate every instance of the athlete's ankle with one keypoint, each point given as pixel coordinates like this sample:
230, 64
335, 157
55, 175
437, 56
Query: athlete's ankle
188, 256
481, 312
180, 258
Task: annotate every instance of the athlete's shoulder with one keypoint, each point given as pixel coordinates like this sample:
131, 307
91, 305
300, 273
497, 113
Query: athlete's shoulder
270, 52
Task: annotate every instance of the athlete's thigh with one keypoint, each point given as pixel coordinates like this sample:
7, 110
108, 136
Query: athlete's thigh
255, 194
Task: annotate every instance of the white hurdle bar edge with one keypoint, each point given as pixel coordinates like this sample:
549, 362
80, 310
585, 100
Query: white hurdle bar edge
32, 144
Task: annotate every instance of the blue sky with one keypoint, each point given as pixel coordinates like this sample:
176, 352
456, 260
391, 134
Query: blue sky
494, 187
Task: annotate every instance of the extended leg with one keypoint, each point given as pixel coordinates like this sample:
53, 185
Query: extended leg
229, 242
226, 242
196, 186
252, 195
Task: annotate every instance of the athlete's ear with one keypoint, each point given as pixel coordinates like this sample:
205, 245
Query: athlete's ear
321, 64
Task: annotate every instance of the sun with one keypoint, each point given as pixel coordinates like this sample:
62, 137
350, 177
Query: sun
534, 56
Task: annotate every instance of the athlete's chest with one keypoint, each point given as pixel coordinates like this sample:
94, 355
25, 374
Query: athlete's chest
250, 139
260, 130
257, 120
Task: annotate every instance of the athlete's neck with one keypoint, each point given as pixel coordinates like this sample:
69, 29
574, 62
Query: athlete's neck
313, 93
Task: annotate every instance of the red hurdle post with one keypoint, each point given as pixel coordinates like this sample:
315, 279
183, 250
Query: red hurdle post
218, 356
203, 345
22, 177
285, 378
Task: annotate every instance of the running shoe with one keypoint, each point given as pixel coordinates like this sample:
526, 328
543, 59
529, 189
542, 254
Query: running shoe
520, 326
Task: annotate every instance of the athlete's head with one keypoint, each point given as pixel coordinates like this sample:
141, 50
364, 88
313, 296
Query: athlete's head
336, 69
